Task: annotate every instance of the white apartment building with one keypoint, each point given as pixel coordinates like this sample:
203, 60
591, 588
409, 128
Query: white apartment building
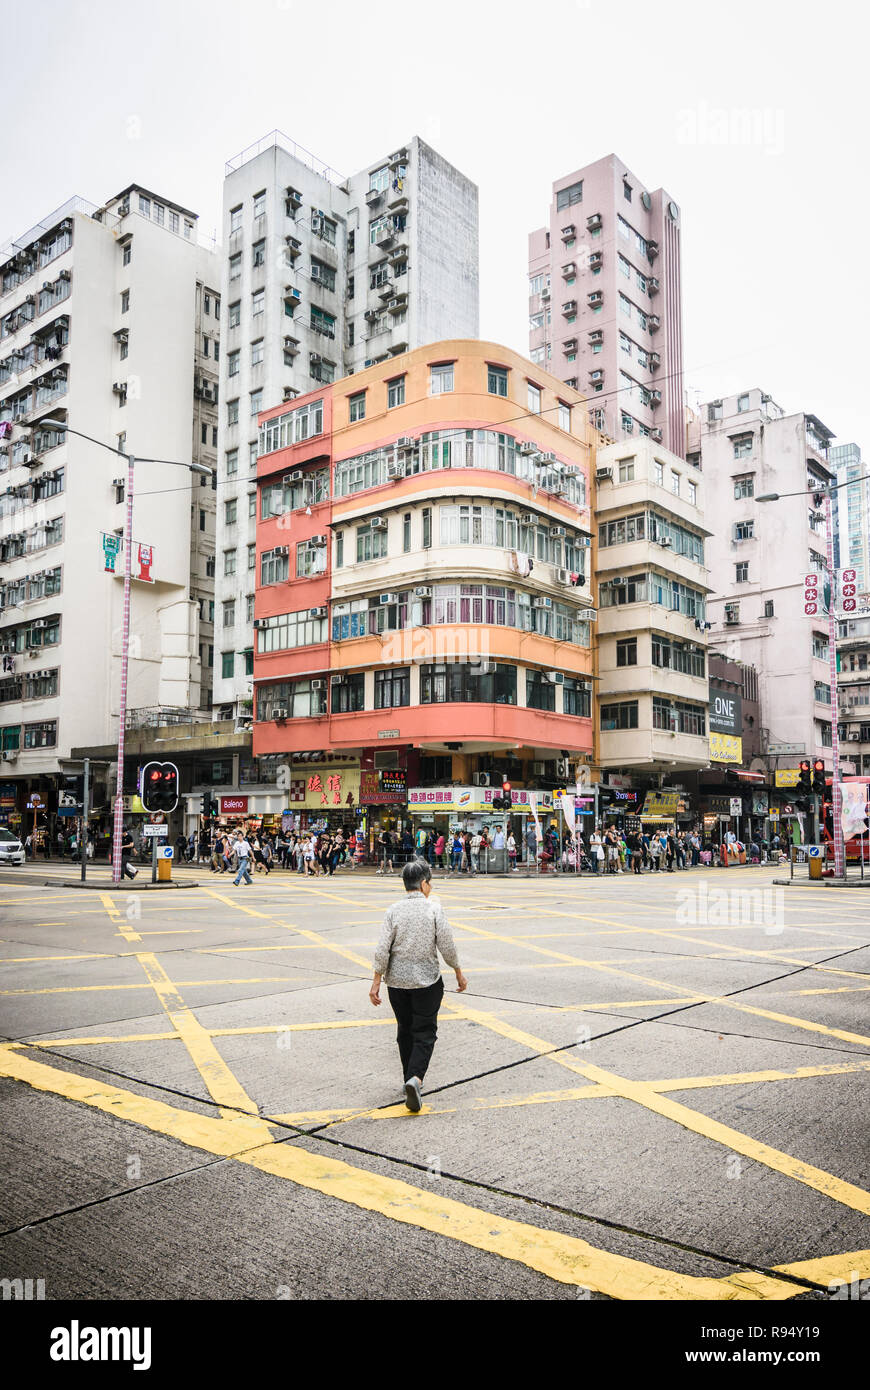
652, 595
853, 685
759, 554
323, 276
102, 312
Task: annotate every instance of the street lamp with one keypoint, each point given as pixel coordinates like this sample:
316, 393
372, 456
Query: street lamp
59, 426
825, 490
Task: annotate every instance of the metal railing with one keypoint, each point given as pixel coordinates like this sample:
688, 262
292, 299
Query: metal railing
277, 138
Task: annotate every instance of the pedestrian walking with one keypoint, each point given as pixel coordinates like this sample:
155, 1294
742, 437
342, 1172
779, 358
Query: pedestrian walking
413, 933
512, 853
439, 850
128, 848
243, 853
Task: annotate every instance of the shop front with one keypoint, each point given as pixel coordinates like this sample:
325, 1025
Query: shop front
444, 810
383, 795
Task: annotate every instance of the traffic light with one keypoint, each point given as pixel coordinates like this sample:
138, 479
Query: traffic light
160, 786
805, 777
507, 800
820, 785
209, 806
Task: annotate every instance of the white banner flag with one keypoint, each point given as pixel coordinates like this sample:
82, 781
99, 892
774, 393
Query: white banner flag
533, 807
567, 800
853, 808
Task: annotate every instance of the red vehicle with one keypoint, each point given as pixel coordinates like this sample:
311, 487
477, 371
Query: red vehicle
853, 846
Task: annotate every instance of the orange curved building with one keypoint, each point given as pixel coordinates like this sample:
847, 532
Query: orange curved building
423, 573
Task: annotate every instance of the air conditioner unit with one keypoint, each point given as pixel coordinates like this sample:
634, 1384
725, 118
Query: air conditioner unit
119, 387
123, 209
617, 581
527, 448
387, 598
296, 476
423, 591
732, 613
40, 622
405, 441
317, 612
542, 603
482, 779
378, 523
545, 292
666, 542
318, 540
527, 518
597, 375
46, 284
547, 459
562, 576
555, 677
558, 531
279, 714
10, 756
854, 735
604, 474
657, 435
336, 680
318, 685
259, 622
281, 550
315, 359
590, 614
395, 470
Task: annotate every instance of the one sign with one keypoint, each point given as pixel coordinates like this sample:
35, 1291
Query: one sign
388, 733
165, 852
814, 851
154, 832
736, 806
471, 799
786, 777
726, 710
778, 750
35, 802
853, 808
234, 805
661, 803
143, 559
111, 550
759, 803
8, 795
725, 748
811, 595
67, 811
382, 788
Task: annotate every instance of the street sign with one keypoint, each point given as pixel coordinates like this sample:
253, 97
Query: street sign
165, 852
783, 749
152, 832
736, 806
814, 851
811, 595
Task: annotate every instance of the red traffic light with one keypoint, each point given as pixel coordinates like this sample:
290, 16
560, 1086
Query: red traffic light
819, 765
505, 786
805, 765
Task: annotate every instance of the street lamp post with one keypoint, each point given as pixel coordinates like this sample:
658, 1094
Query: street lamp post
826, 490
60, 426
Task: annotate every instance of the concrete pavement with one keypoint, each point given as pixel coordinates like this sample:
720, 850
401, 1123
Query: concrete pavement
653, 1088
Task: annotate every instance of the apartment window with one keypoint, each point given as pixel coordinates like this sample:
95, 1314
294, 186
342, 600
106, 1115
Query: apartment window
258, 254
125, 301
626, 652
144, 206
675, 483
127, 253
540, 693
235, 314
228, 617
621, 716
260, 204
201, 519
324, 227
820, 647
339, 550
743, 447
323, 275
214, 438
233, 361
714, 412
565, 197
625, 306
768, 608
252, 504
427, 527
310, 559
230, 511
296, 698
253, 446
125, 348
448, 683
440, 378
257, 352
357, 407
235, 267
228, 664
229, 562
236, 219
209, 566
275, 566
258, 302
42, 735
371, 544
497, 381
534, 399
350, 695
742, 404
627, 422
256, 407
744, 487
626, 192
693, 493
626, 470
406, 532
822, 693
564, 417
744, 530
624, 267
252, 555
392, 687
395, 392
232, 458
741, 572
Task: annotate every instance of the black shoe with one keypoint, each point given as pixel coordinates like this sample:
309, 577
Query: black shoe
412, 1094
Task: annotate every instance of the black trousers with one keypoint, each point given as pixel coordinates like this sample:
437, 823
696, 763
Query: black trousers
416, 1013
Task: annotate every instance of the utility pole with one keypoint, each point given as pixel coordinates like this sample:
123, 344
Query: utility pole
86, 801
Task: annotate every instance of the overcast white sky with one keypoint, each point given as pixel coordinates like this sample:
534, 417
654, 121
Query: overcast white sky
99, 94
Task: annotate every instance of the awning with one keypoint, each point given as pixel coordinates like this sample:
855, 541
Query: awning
657, 820
748, 776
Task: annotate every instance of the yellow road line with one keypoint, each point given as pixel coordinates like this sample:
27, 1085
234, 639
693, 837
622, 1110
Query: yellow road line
563, 1258
220, 1081
183, 984
640, 1092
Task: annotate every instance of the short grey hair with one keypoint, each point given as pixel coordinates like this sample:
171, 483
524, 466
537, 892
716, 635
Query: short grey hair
415, 872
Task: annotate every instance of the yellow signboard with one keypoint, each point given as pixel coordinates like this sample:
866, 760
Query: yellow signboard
786, 777
725, 748
662, 803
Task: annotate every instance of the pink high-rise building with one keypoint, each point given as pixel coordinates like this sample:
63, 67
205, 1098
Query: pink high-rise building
605, 301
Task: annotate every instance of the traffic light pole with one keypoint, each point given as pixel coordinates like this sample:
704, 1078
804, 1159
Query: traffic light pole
122, 703
839, 855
